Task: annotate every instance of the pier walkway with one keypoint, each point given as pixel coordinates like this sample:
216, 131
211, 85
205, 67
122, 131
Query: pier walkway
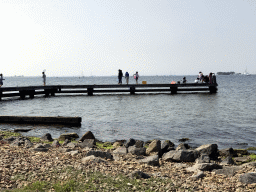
51, 90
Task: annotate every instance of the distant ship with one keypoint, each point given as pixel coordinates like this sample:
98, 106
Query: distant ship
226, 73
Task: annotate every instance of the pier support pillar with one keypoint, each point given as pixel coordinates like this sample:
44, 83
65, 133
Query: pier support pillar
32, 94
213, 89
90, 91
132, 90
174, 90
47, 92
22, 94
1, 95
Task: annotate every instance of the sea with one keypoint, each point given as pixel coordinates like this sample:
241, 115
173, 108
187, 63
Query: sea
226, 118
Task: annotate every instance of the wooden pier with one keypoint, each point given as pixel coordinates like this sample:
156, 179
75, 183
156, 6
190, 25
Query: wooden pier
51, 90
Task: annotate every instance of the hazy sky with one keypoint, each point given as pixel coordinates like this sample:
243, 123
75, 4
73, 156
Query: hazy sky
154, 37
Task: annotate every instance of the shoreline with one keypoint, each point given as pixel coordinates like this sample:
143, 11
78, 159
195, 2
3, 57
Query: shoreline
128, 166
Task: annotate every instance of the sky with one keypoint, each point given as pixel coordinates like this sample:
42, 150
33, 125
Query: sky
153, 37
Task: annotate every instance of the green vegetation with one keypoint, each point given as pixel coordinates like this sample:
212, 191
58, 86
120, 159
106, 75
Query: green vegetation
251, 148
253, 157
6, 134
106, 145
95, 181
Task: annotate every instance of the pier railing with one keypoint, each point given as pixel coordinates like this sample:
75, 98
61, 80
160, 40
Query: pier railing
48, 90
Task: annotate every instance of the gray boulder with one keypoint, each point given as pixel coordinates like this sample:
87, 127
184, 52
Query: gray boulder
204, 167
55, 143
139, 143
28, 144
180, 156
137, 151
130, 142
87, 135
248, 178
139, 175
101, 154
229, 171
94, 159
47, 137
40, 148
197, 176
154, 148
182, 146
151, 160
166, 146
71, 145
73, 153
227, 152
228, 161
203, 159
209, 149
121, 151
66, 142
69, 136
90, 143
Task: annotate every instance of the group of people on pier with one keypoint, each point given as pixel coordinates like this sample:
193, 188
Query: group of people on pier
206, 78
120, 76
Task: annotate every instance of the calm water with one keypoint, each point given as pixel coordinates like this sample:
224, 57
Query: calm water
226, 118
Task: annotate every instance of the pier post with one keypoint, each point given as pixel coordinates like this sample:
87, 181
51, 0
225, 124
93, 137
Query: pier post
22, 94
213, 89
1, 95
32, 94
53, 91
174, 90
132, 90
90, 91
47, 92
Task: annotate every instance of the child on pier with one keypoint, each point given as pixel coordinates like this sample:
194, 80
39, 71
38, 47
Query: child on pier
44, 78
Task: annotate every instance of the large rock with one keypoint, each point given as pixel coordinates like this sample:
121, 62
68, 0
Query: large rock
182, 146
69, 136
228, 161
55, 143
154, 148
180, 156
203, 159
139, 143
204, 167
40, 148
209, 149
121, 151
166, 146
137, 151
94, 159
227, 152
90, 143
87, 135
47, 137
101, 154
151, 160
229, 171
71, 145
28, 144
248, 178
197, 176
130, 142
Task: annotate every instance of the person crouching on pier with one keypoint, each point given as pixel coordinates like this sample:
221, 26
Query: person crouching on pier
1, 80
44, 78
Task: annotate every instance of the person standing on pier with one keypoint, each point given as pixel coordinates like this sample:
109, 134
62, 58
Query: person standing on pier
120, 76
1, 80
127, 77
44, 78
136, 76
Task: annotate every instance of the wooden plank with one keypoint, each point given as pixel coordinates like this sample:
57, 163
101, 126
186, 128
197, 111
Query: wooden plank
41, 120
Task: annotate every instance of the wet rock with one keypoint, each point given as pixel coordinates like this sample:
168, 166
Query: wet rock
92, 158
183, 139
151, 160
180, 156
228, 161
66, 142
182, 146
154, 148
121, 150
203, 159
130, 142
137, 151
87, 135
47, 137
101, 154
40, 148
204, 167
117, 144
139, 143
69, 136
90, 143
55, 143
240, 152
166, 146
227, 152
139, 175
209, 149
71, 145
229, 171
248, 178
199, 175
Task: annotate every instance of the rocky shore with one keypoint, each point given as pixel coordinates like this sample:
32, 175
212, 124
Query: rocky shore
130, 165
